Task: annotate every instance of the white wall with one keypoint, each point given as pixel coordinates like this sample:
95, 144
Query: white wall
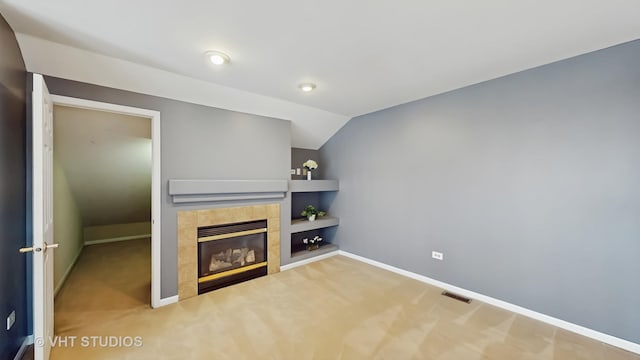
107, 160
67, 226
116, 232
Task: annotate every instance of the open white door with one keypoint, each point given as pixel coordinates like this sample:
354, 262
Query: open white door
42, 219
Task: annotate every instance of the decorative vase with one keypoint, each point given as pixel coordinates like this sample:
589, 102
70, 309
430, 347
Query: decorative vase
312, 217
313, 246
308, 174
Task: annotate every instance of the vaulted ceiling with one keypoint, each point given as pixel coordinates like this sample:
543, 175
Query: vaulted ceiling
363, 55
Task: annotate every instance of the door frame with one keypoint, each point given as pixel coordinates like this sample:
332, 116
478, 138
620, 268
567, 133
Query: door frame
156, 181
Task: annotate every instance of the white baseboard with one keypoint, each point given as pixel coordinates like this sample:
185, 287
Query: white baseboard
581, 330
122, 238
66, 273
166, 301
308, 261
28, 340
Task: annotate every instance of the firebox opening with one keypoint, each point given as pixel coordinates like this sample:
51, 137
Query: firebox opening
231, 253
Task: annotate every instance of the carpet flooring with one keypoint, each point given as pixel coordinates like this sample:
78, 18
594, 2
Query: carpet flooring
337, 308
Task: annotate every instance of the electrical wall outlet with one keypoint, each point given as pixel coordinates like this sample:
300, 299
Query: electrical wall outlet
437, 255
11, 319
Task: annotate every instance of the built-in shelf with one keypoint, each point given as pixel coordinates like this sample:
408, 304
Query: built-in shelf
313, 185
320, 194
305, 254
302, 224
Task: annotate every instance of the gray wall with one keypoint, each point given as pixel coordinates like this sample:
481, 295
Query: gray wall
529, 184
299, 156
300, 200
13, 281
200, 142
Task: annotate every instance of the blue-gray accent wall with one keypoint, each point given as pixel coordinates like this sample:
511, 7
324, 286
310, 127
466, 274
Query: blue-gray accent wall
13, 265
529, 184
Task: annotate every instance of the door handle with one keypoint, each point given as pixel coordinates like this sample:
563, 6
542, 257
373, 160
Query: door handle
38, 249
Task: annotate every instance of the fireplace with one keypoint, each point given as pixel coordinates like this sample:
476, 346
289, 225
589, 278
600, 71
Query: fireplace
211, 239
231, 253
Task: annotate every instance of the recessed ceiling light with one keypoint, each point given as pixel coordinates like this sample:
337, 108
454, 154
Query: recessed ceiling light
307, 87
218, 58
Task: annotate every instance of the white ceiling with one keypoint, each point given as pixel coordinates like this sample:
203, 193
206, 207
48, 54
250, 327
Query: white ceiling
106, 159
364, 55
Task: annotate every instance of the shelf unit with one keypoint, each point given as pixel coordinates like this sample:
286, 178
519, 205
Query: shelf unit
311, 192
297, 186
302, 224
304, 254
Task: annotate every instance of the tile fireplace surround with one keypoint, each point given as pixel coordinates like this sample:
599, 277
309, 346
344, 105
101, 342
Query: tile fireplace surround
188, 223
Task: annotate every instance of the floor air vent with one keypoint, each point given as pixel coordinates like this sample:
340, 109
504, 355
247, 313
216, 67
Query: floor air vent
457, 297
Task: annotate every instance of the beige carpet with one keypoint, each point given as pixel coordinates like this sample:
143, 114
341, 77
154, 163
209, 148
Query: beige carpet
336, 308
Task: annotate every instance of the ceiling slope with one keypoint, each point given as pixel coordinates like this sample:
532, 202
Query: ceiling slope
106, 159
363, 55
310, 127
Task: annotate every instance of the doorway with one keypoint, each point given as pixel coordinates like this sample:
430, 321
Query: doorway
136, 229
